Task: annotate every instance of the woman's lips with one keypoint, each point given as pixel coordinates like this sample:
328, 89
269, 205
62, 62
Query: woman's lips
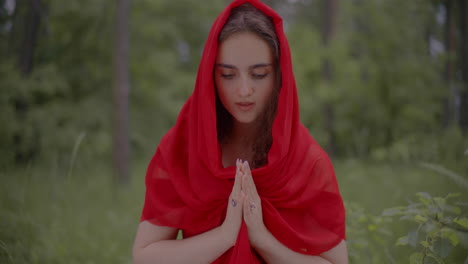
245, 106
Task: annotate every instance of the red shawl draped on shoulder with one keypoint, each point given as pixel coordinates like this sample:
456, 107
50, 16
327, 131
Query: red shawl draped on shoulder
188, 188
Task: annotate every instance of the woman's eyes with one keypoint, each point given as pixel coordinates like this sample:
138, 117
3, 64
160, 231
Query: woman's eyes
259, 76
229, 76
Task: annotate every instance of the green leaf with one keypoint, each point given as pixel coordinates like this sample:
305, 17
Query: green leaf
440, 202
413, 238
402, 241
462, 222
372, 228
443, 248
451, 235
425, 244
416, 258
420, 219
393, 211
453, 239
455, 209
424, 197
452, 195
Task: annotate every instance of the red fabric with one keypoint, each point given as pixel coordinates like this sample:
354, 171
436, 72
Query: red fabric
188, 188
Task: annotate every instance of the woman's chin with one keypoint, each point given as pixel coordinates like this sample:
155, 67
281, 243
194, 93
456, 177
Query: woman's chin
245, 120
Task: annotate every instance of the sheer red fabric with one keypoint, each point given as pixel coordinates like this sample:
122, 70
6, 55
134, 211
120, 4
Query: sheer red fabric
188, 188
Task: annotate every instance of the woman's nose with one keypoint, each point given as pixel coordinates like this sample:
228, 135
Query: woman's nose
245, 88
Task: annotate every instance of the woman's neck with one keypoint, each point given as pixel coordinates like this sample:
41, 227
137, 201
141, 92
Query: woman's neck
238, 143
243, 134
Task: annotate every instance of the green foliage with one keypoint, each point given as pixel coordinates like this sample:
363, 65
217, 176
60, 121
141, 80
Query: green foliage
368, 236
77, 215
52, 217
40, 117
386, 92
441, 228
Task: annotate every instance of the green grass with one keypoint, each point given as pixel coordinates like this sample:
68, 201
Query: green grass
83, 218
377, 186
369, 188
49, 216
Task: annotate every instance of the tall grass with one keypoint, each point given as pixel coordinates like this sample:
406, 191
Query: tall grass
53, 216
83, 218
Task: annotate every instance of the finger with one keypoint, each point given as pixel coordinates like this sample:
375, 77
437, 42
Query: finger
237, 180
248, 181
239, 164
246, 208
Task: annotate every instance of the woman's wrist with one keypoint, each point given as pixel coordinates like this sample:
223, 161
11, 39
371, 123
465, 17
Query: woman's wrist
262, 239
227, 234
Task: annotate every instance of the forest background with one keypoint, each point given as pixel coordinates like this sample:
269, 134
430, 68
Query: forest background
87, 89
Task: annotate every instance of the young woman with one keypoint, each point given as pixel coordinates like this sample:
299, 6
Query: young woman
238, 173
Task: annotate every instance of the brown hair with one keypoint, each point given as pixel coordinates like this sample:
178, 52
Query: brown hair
247, 18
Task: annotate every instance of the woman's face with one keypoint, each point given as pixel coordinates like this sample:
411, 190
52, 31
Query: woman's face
244, 76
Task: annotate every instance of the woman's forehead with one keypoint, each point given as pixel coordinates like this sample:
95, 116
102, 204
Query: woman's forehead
244, 50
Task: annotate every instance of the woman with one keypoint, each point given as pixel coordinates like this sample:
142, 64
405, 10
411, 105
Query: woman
238, 173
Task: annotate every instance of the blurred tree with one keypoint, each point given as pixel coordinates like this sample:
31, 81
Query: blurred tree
121, 146
453, 101
463, 18
376, 89
31, 21
329, 31
27, 16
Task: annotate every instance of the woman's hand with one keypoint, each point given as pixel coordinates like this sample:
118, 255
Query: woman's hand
252, 207
233, 220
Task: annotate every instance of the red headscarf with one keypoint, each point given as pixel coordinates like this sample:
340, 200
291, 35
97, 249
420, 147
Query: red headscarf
187, 186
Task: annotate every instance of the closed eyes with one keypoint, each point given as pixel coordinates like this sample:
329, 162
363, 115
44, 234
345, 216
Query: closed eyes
259, 76
229, 76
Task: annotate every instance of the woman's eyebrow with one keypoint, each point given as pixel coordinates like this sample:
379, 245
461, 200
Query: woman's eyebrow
229, 66
258, 65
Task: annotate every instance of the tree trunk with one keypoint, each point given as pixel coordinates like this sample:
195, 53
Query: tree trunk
29, 40
463, 18
121, 145
329, 29
453, 100
23, 39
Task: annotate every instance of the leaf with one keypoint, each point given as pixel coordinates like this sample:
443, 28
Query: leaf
462, 222
413, 238
443, 247
416, 258
440, 202
452, 195
455, 209
454, 239
420, 219
463, 236
433, 259
402, 241
425, 244
424, 197
451, 235
393, 211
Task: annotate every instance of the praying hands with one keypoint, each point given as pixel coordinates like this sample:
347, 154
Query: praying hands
244, 204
